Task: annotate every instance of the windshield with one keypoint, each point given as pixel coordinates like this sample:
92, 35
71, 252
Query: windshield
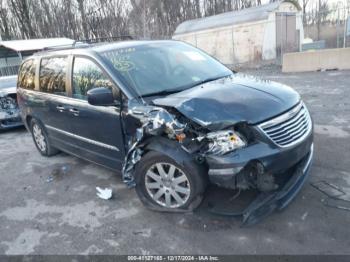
6, 82
164, 67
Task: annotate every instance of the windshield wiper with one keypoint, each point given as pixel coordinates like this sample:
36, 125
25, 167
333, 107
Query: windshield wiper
163, 92
179, 89
210, 79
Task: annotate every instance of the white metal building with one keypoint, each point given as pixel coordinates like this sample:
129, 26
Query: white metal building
258, 33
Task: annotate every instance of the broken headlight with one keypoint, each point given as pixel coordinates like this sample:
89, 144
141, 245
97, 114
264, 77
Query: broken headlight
222, 142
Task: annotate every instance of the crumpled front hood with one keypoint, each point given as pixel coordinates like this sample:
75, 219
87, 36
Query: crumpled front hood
227, 101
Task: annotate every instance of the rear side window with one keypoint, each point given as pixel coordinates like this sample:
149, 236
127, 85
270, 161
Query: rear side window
26, 77
87, 75
53, 75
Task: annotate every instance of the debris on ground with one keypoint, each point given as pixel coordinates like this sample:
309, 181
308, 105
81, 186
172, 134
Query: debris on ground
143, 232
343, 204
329, 189
303, 217
104, 193
336, 197
49, 179
58, 172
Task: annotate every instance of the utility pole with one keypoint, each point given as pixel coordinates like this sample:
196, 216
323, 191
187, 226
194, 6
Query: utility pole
338, 22
319, 20
345, 26
144, 19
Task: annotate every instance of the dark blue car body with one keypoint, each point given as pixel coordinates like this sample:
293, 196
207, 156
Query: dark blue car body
272, 115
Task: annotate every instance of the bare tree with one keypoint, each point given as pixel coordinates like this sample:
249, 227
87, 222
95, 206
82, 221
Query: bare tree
304, 5
83, 19
81, 8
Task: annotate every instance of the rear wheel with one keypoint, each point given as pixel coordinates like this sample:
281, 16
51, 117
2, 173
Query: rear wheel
41, 140
165, 185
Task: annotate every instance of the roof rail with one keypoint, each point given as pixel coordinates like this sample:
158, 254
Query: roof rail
106, 39
62, 47
87, 42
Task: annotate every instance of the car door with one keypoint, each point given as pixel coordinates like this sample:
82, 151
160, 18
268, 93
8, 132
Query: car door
96, 130
53, 94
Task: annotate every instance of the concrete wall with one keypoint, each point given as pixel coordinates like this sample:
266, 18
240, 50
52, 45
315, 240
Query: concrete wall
338, 58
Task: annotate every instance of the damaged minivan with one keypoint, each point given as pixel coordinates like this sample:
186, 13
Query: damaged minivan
170, 119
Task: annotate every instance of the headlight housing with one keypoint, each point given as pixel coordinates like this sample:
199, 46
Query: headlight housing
222, 142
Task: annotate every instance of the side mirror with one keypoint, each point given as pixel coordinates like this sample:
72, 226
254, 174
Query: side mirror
100, 96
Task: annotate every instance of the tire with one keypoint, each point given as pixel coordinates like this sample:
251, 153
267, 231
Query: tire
188, 184
41, 139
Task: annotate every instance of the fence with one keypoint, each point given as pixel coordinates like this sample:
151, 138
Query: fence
9, 70
330, 26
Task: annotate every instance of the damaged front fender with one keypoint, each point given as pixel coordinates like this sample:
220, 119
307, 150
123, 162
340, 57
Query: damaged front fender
152, 121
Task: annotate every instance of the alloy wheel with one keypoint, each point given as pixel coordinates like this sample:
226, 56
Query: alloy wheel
167, 185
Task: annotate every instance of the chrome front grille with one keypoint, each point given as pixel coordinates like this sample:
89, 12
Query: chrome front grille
290, 128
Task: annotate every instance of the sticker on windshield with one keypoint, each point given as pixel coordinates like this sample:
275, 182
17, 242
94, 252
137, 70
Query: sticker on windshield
195, 56
123, 64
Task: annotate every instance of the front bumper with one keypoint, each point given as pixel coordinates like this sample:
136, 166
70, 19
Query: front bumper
267, 202
275, 160
9, 116
12, 122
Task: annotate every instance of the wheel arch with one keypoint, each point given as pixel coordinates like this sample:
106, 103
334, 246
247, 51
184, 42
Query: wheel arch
174, 150
28, 121
169, 148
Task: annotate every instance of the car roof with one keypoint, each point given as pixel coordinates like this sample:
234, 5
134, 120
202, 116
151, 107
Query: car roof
82, 48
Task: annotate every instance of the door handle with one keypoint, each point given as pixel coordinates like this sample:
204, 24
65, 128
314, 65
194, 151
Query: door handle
60, 108
74, 111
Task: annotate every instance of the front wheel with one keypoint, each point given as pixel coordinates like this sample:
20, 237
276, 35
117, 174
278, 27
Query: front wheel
165, 185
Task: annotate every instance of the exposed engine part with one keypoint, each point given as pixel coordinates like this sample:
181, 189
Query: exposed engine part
157, 120
154, 121
252, 176
266, 182
8, 107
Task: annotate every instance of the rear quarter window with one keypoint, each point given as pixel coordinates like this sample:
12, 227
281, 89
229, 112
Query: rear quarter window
26, 76
53, 75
